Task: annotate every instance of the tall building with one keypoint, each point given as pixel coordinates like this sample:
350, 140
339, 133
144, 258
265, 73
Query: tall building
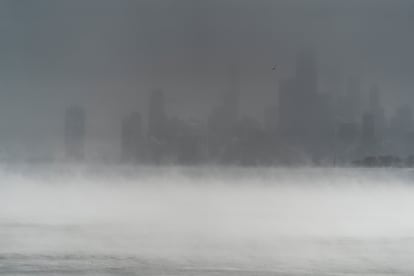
223, 119
352, 100
305, 118
377, 111
300, 104
290, 119
401, 131
157, 126
186, 142
402, 119
157, 117
75, 130
132, 138
369, 140
347, 116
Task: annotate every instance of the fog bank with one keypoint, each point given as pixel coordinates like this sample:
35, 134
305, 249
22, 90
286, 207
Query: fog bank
245, 216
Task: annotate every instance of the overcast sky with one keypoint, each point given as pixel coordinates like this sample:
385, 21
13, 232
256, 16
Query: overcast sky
108, 54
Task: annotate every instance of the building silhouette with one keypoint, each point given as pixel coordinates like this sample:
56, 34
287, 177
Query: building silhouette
186, 141
401, 131
305, 122
378, 112
369, 142
75, 130
157, 126
298, 98
290, 119
223, 119
306, 125
157, 119
351, 102
132, 138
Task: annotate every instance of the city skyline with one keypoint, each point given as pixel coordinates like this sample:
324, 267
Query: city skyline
206, 137
306, 127
107, 57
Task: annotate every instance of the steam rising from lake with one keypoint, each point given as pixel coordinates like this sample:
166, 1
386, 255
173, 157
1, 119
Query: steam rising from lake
266, 220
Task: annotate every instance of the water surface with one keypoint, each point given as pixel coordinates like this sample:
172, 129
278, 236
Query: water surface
206, 221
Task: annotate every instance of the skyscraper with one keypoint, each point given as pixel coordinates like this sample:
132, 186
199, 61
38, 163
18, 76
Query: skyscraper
75, 130
368, 135
157, 117
377, 111
299, 102
352, 100
305, 115
157, 126
224, 118
132, 138
401, 130
289, 117
347, 119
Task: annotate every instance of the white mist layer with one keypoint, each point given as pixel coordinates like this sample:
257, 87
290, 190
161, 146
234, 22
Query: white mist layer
232, 214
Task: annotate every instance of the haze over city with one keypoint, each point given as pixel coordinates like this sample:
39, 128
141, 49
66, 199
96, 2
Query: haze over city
217, 137
108, 57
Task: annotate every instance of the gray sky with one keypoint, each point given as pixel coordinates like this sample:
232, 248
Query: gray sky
108, 54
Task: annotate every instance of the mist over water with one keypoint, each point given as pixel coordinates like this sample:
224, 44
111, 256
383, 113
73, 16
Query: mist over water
222, 219
142, 137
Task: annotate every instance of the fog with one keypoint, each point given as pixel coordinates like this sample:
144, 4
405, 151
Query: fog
219, 137
269, 219
107, 56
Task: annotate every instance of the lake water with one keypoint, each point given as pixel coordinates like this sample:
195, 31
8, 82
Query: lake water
206, 221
